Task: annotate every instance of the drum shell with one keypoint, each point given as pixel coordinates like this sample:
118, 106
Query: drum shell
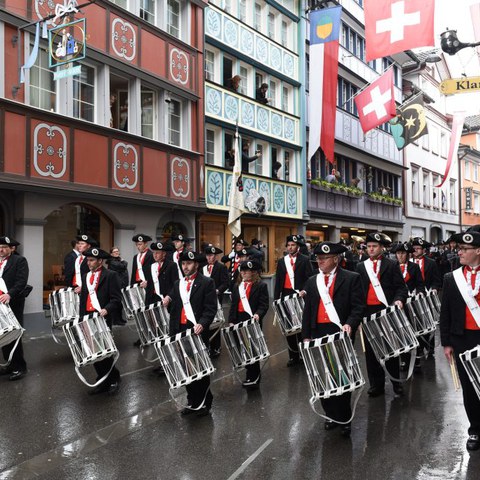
289, 313
184, 358
133, 299
152, 323
332, 366
64, 306
245, 343
90, 340
10, 328
419, 314
471, 362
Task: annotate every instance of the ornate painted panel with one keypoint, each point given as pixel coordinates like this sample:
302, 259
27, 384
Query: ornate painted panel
50, 149
124, 39
125, 166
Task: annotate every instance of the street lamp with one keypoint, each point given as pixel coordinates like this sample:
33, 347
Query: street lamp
451, 44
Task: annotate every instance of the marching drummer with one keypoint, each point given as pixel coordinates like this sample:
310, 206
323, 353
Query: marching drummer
460, 322
101, 293
249, 300
293, 271
142, 260
219, 273
383, 285
163, 272
73, 276
334, 301
13, 280
234, 258
192, 303
179, 242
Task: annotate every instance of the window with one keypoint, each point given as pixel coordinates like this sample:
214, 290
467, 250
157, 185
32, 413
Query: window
443, 144
42, 86
285, 99
453, 205
258, 163
271, 25
119, 88
209, 65
284, 39
210, 147
228, 6
467, 170
173, 16
174, 122
475, 172
121, 3
436, 192
415, 197
243, 89
242, 10
286, 166
147, 10
476, 203
148, 99
272, 94
426, 190
84, 94
346, 93
258, 17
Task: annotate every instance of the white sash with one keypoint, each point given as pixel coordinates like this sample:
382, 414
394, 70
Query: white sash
290, 272
467, 294
243, 297
327, 301
205, 271
92, 289
175, 259
3, 285
78, 274
375, 281
182, 286
156, 283
140, 266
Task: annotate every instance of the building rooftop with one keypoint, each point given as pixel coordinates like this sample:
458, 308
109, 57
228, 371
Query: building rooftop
472, 123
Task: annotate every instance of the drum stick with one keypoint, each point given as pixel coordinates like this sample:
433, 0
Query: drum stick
362, 340
453, 369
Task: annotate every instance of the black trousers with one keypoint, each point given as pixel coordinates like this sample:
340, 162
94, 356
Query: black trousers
471, 402
215, 342
18, 361
337, 408
376, 374
199, 392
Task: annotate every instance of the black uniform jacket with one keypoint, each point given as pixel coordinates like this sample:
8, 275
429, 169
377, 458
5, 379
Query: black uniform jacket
167, 277
303, 271
348, 300
220, 276
391, 280
203, 300
432, 274
108, 293
15, 276
415, 282
147, 261
453, 311
258, 301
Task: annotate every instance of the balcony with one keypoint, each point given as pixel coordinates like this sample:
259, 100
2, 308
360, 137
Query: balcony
282, 199
234, 34
230, 107
329, 203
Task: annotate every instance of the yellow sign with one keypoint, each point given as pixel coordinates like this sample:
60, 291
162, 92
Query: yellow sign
460, 85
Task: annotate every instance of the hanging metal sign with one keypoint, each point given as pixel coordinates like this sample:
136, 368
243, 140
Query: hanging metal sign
67, 43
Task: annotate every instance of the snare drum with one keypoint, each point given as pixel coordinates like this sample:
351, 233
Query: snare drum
389, 333
289, 312
420, 316
219, 320
184, 358
245, 343
133, 298
10, 328
332, 366
152, 323
471, 362
64, 306
435, 305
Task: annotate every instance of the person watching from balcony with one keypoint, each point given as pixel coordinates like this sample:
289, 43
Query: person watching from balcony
246, 159
234, 83
275, 168
230, 158
334, 177
261, 94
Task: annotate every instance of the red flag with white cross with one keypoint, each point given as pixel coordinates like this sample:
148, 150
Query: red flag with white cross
393, 26
376, 104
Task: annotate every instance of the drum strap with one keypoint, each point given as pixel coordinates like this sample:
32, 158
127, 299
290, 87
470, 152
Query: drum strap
375, 281
140, 259
78, 273
176, 259
92, 289
467, 294
185, 295
243, 297
156, 283
289, 267
327, 300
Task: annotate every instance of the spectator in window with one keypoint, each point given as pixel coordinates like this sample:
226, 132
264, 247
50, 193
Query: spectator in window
246, 159
261, 94
334, 177
234, 83
230, 158
275, 168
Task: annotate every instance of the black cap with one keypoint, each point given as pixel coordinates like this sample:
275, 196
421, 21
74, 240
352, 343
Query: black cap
329, 248
191, 257
242, 241
377, 237
293, 238
161, 247
141, 237
255, 241
7, 241
97, 253
180, 237
211, 250
87, 239
402, 247
420, 242
251, 265
469, 238
243, 252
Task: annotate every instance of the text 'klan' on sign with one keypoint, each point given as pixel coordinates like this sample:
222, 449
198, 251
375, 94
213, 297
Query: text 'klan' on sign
460, 85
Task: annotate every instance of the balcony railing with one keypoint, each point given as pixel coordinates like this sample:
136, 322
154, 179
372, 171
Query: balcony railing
281, 199
230, 107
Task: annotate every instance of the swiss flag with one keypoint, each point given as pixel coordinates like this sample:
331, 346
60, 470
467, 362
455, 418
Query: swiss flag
393, 26
376, 104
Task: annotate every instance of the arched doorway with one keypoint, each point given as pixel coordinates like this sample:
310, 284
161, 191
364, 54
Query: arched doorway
166, 231
435, 234
61, 227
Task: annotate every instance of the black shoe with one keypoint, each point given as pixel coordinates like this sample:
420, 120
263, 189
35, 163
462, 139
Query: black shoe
113, 388
102, 388
398, 390
473, 442
137, 343
292, 362
375, 391
187, 411
329, 425
346, 430
203, 412
17, 375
